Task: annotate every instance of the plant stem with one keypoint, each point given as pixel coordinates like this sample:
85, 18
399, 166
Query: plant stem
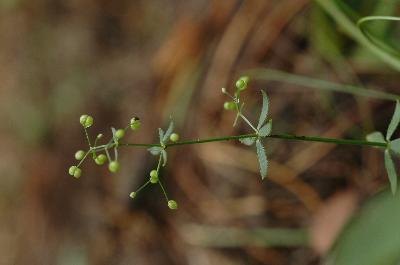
276, 136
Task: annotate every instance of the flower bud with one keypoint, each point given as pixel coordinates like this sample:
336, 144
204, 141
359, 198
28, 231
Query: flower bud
100, 159
135, 123
113, 166
174, 137
86, 120
79, 155
172, 205
229, 105
120, 133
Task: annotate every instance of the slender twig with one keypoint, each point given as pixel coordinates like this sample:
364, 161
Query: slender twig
237, 137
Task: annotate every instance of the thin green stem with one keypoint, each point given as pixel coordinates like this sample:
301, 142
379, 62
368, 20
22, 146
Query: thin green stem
142, 187
162, 187
247, 121
276, 136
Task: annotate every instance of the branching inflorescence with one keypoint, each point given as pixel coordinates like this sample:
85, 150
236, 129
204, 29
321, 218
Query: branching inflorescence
109, 152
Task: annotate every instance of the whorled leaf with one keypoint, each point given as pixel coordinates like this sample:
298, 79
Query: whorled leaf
155, 150
161, 134
262, 159
375, 137
395, 146
248, 141
164, 157
266, 129
391, 171
394, 122
264, 110
168, 132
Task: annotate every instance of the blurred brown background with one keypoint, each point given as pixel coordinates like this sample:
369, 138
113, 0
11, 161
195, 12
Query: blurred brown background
153, 59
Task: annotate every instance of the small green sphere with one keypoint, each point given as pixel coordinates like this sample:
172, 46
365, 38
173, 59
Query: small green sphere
100, 159
75, 171
174, 137
173, 205
86, 120
229, 105
132, 194
79, 155
113, 166
154, 173
135, 124
120, 133
154, 176
241, 84
71, 170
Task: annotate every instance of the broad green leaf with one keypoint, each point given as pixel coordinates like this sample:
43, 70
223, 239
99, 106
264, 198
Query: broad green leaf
266, 129
155, 150
168, 132
371, 237
394, 123
164, 156
161, 134
395, 146
376, 137
391, 171
264, 110
248, 141
262, 159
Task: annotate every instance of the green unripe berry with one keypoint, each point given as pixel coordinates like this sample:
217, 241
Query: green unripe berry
154, 176
113, 166
79, 155
241, 84
174, 137
120, 133
100, 159
229, 105
75, 171
154, 173
132, 194
86, 120
99, 136
135, 123
172, 205
71, 170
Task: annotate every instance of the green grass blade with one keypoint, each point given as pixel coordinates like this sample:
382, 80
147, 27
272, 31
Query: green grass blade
333, 9
299, 80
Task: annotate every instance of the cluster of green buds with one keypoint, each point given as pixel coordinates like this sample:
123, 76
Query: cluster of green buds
262, 130
100, 153
160, 150
241, 85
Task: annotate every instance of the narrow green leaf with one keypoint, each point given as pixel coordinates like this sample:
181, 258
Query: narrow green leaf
113, 130
262, 159
155, 150
391, 171
164, 156
266, 129
375, 137
395, 146
248, 141
264, 110
394, 123
168, 132
161, 135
